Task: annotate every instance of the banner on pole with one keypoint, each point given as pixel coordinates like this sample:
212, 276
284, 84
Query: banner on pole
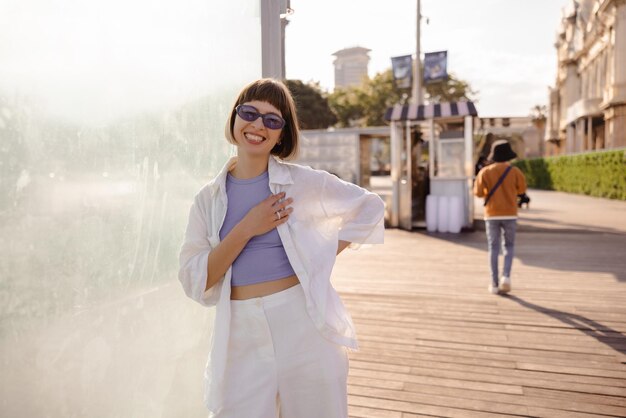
402, 69
435, 66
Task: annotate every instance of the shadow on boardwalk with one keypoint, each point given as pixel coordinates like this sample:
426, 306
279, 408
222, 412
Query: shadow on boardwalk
575, 250
563, 232
604, 334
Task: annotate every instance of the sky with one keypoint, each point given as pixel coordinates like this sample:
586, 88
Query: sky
503, 48
99, 60
85, 60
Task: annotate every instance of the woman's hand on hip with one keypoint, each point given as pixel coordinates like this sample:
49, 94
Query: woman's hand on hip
267, 215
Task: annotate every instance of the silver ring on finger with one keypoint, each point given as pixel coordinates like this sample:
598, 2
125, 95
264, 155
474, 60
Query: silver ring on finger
278, 215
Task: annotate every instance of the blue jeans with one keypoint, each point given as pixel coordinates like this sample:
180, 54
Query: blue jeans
495, 229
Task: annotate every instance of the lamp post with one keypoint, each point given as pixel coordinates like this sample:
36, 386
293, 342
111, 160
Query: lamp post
273, 22
401, 145
417, 96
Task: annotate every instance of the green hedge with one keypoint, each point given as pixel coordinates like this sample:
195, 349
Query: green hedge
600, 174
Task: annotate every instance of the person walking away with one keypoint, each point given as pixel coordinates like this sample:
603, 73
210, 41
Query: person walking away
260, 245
500, 183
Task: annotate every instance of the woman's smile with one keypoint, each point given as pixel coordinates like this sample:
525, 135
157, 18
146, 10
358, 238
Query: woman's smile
253, 138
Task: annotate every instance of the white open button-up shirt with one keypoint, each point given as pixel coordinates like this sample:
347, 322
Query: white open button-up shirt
325, 210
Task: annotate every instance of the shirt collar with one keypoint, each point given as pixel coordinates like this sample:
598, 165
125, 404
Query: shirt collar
278, 172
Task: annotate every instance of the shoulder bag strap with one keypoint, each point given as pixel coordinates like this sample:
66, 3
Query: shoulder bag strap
500, 180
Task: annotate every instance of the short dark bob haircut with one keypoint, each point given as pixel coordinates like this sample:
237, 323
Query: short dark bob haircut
277, 94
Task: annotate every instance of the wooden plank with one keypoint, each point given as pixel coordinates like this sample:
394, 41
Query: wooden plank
355, 411
478, 357
469, 406
436, 381
387, 363
538, 412
580, 371
575, 341
402, 355
375, 383
372, 314
417, 409
569, 401
495, 334
433, 343
505, 379
619, 401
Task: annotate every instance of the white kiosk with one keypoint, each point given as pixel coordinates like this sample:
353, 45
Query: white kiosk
432, 144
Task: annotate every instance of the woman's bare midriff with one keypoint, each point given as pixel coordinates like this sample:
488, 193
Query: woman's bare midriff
262, 289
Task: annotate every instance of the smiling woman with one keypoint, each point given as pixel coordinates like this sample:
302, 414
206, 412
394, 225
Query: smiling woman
260, 245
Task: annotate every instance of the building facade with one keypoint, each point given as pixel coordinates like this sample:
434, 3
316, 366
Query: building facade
587, 105
351, 66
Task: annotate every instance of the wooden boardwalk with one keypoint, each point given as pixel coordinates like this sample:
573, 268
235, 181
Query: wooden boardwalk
434, 342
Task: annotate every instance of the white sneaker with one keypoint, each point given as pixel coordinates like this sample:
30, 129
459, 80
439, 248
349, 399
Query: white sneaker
493, 290
505, 284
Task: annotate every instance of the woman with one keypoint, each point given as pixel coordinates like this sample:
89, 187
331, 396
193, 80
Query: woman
500, 184
261, 242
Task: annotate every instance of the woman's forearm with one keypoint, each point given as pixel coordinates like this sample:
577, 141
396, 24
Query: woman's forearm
223, 256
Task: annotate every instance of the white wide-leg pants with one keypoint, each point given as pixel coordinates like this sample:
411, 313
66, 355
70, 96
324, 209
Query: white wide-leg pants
279, 365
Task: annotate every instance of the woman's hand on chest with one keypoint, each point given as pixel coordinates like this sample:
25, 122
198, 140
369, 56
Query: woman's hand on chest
267, 215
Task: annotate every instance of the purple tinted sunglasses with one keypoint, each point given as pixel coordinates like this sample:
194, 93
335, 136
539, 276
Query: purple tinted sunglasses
250, 114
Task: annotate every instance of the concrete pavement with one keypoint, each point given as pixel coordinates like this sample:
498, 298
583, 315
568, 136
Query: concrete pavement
557, 211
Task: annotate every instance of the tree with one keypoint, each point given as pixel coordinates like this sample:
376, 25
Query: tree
347, 105
450, 90
365, 105
379, 93
539, 113
311, 105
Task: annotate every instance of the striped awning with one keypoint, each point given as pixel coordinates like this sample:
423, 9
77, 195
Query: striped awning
435, 111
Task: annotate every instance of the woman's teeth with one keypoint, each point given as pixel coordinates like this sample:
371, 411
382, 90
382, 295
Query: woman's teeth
254, 138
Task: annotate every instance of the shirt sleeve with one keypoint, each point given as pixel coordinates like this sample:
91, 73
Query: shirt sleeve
479, 187
193, 258
361, 214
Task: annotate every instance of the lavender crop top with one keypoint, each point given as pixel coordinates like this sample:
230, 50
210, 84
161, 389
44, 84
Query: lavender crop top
263, 259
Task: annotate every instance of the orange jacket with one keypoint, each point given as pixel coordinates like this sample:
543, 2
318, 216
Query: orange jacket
503, 202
